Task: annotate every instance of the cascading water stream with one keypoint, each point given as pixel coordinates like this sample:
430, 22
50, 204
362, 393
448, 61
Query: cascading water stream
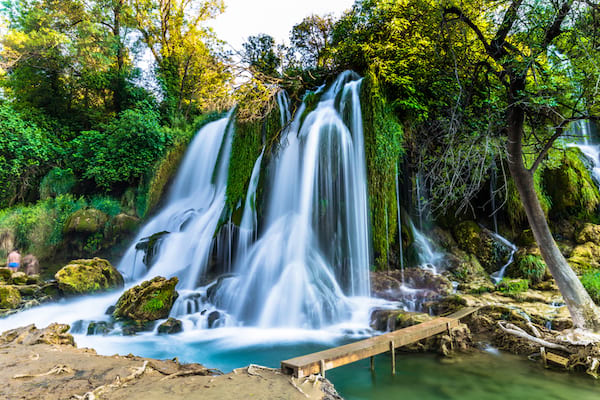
581, 130
314, 251
499, 275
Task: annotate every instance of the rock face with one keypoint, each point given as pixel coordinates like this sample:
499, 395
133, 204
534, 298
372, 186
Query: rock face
150, 301
479, 241
10, 298
88, 220
88, 276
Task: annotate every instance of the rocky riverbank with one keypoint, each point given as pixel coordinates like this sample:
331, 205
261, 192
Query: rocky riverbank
46, 364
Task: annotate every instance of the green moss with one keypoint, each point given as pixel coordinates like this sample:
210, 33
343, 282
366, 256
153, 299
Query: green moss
311, 101
249, 138
513, 286
149, 301
383, 149
9, 297
157, 302
88, 276
591, 283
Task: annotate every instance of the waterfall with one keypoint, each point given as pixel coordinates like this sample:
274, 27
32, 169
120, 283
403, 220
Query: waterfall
314, 248
581, 129
428, 256
191, 216
499, 275
247, 231
401, 250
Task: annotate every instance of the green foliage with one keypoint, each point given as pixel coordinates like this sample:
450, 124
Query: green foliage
106, 204
39, 228
58, 181
311, 40
532, 267
124, 151
24, 152
513, 286
383, 149
591, 283
259, 53
247, 145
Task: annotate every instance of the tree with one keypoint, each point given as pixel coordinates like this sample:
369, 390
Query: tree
259, 53
190, 68
311, 39
523, 53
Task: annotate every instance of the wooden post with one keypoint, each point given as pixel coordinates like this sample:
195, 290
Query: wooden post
393, 350
372, 363
323, 368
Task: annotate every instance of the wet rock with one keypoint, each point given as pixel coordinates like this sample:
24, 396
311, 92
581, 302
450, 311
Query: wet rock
150, 301
123, 223
19, 278
88, 276
149, 245
465, 267
170, 326
447, 305
388, 285
476, 287
212, 318
87, 220
110, 310
99, 328
473, 239
51, 290
391, 320
28, 290
10, 298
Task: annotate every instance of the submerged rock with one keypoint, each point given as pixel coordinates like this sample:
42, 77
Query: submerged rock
88, 276
170, 326
10, 298
150, 301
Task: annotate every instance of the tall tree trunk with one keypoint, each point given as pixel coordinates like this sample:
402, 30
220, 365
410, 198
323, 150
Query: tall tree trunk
584, 312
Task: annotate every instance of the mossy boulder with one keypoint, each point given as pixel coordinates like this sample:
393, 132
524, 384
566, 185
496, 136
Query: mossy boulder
473, 239
585, 257
88, 276
528, 264
123, 223
589, 233
170, 326
87, 220
19, 278
10, 298
150, 301
5, 276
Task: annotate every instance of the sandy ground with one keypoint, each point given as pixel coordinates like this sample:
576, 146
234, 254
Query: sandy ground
42, 364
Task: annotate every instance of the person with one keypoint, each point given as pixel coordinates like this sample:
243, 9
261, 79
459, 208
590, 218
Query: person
14, 260
31, 264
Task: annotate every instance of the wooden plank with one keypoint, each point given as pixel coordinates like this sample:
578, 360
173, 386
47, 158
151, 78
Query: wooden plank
331, 358
556, 359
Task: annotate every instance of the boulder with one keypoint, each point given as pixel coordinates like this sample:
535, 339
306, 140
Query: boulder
389, 285
5, 276
53, 334
585, 257
473, 239
99, 328
88, 276
9, 297
589, 233
150, 301
123, 223
19, 278
87, 220
391, 320
149, 245
170, 326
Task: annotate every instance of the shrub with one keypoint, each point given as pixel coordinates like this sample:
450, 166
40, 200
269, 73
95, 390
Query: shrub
106, 204
124, 151
58, 181
513, 286
591, 283
532, 267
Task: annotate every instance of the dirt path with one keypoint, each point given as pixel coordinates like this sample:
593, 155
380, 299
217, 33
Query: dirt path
45, 364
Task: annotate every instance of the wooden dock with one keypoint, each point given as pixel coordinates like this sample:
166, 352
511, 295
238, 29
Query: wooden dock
336, 357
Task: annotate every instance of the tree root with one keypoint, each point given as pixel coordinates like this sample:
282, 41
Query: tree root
518, 332
56, 370
116, 384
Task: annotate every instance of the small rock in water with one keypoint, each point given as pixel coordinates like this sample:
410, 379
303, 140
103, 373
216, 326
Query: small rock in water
170, 326
99, 328
110, 310
213, 317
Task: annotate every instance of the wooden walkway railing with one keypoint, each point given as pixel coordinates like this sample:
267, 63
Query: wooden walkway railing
336, 357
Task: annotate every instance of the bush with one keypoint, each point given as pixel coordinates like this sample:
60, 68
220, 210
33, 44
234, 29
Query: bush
58, 181
591, 283
532, 267
513, 286
124, 151
24, 150
106, 204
